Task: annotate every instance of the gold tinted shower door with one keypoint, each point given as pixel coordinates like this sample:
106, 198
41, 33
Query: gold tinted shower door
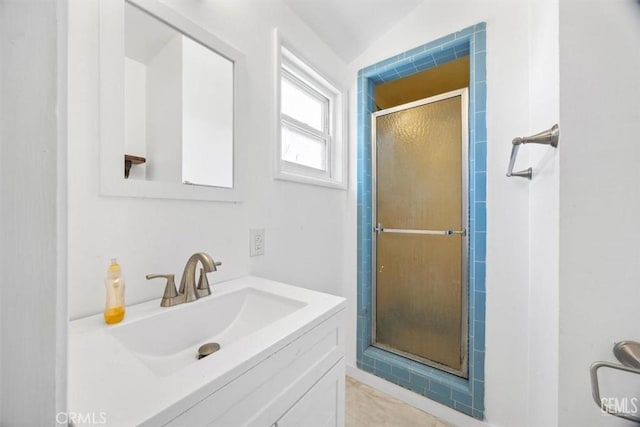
420, 245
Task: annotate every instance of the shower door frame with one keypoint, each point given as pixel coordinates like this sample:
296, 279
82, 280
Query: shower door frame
464, 303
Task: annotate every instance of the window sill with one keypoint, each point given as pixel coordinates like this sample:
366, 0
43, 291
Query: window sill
303, 179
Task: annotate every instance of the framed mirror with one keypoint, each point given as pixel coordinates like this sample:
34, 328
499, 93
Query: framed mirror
168, 100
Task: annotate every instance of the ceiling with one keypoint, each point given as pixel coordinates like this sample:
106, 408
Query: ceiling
349, 27
424, 84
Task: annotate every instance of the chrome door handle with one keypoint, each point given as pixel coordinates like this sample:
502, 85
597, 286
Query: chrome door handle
380, 229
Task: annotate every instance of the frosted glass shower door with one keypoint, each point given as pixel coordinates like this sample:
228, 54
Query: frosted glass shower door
420, 241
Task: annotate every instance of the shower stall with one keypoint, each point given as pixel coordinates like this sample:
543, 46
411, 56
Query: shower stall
420, 242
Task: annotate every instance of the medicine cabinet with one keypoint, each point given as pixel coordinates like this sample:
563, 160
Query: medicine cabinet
168, 104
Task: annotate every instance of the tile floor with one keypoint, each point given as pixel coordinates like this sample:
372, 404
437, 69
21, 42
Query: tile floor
368, 407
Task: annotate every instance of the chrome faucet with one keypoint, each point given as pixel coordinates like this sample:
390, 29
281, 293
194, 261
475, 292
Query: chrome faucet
188, 283
188, 292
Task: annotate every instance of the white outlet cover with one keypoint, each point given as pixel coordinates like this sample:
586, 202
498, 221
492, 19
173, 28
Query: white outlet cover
256, 241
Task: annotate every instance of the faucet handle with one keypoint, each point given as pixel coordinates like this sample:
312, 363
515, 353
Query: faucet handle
170, 292
203, 288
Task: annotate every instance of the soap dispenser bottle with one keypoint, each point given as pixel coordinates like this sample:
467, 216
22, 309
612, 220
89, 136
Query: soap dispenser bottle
114, 303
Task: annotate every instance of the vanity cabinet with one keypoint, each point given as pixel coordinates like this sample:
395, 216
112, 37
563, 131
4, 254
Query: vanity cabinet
302, 384
321, 406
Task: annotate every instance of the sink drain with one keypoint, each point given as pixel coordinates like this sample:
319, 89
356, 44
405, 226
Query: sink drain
207, 349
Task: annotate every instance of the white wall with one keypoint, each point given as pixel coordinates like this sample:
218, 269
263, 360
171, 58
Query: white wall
599, 195
507, 345
543, 215
164, 112
304, 224
2, 61
2, 137
32, 252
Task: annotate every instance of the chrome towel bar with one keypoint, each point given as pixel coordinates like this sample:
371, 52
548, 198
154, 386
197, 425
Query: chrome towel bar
628, 353
548, 137
380, 229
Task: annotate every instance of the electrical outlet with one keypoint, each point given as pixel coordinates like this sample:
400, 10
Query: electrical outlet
256, 241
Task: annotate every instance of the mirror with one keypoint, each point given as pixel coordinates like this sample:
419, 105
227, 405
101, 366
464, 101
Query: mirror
178, 105
168, 117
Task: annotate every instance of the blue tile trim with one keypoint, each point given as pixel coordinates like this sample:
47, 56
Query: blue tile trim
463, 395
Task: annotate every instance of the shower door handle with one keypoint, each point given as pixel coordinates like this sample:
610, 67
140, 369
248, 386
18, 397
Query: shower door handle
380, 229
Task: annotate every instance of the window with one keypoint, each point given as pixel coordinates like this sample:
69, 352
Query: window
304, 128
310, 141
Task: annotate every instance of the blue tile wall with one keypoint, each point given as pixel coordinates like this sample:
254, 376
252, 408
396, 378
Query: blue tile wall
463, 395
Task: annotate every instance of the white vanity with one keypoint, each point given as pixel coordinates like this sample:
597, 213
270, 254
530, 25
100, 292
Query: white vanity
280, 363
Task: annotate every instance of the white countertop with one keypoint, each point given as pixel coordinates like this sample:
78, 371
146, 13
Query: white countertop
108, 382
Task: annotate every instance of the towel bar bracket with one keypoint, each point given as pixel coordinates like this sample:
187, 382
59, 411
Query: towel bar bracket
548, 137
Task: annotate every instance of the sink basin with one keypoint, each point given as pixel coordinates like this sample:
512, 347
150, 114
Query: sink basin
144, 370
168, 341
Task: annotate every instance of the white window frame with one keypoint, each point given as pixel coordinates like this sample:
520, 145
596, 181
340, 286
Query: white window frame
296, 69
